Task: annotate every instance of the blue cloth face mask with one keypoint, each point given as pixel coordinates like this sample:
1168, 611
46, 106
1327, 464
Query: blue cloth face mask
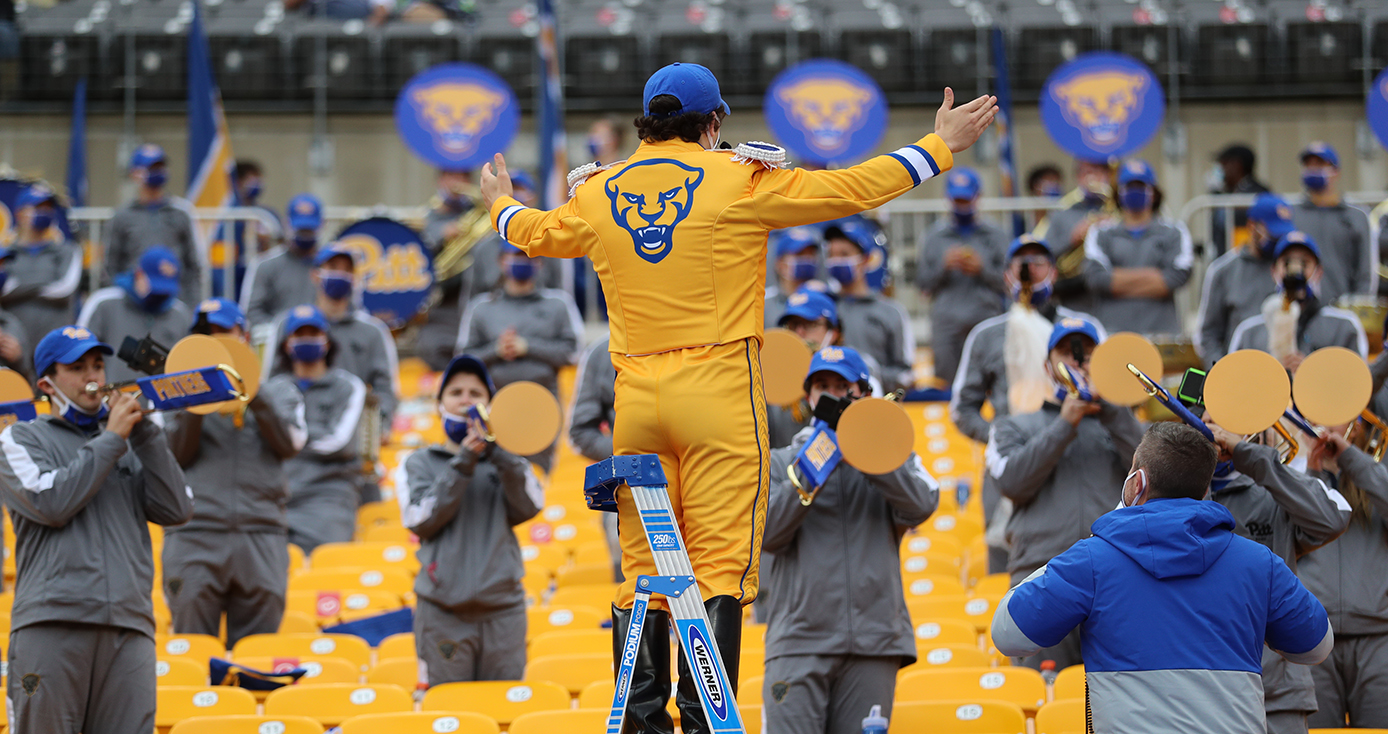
454, 426
1223, 474
156, 178
802, 270
252, 193
522, 271
964, 219
1137, 199
1315, 179
842, 269
41, 221
305, 242
73, 414
308, 349
335, 285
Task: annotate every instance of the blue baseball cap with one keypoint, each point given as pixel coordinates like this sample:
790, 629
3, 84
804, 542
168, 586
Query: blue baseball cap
1296, 239
506, 248
147, 155
66, 345
305, 212
332, 250
305, 315
1067, 326
810, 305
962, 183
221, 312
35, 195
854, 231
842, 361
794, 241
471, 365
1323, 151
1136, 170
6, 253
523, 179
1027, 240
693, 85
160, 265
1274, 213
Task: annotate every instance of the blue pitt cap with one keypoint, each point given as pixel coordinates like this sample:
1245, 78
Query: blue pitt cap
1296, 239
305, 315
221, 312
65, 345
332, 250
471, 365
506, 248
305, 212
842, 361
694, 86
147, 155
854, 231
523, 179
160, 265
1323, 151
962, 183
35, 195
794, 241
810, 305
1136, 170
1275, 214
1027, 240
1067, 326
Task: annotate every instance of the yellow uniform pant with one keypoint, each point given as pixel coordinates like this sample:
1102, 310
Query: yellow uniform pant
703, 412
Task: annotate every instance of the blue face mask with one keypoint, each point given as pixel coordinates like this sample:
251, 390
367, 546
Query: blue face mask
1052, 190
1223, 474
156, 302
803, 270
156, 178
252, 193
522, 271
594, 148
1315, 180
335, 285
1137, 200
964, 220
454, 426
41, 221
309, 349
842, 269
1040, 292
305, 242
75, 415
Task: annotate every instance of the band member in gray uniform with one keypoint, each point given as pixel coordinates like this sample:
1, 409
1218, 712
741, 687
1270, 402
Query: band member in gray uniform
814, 317
464, 498
874, 325
1292, 514
153, 219
43, 276
1135, 265
796, 263
1237, 282
1342, 230
233, 557
961, 270
591, 416
14, 338
325, 477
838, 631
282, 277
82, 484
143, 302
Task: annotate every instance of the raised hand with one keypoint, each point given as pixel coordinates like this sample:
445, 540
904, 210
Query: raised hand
958, 126
498, 184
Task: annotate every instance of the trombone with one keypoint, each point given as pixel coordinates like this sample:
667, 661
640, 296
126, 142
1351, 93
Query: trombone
455, 256
1333, 387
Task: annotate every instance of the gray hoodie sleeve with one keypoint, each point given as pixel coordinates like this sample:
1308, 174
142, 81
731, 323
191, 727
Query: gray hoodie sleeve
434, 500
994, 259
287, 405
589, 411
1378, 369
1214, 318
557, 350
40, 489
970, 391
117, 250
1366, 258
930, 268
1318, 514
1021, 464
910, 490
1124, 428
784, 511
524, 497
167, 498
1368, 475
185, 437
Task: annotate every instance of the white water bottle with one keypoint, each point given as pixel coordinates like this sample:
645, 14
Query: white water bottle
875, 723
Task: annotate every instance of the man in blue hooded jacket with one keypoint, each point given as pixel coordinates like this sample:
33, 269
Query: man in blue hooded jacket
1172, 606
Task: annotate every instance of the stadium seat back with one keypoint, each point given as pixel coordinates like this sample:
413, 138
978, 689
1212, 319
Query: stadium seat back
376, 554
571, 642
574, 672
503, 701
595, 596
916, 544
379, 577
1069, 683
931, 584
403, 672
591, 573
349, 647
977, 611
948, 656
958, 717
194, 647
176, 703
550, 722
333, 703
749, 690
931, 633
298, 623
549, 557
560, 617
599, 693
423, 722
1063, 716
179, 671
248, 724
591, 553
994, 585
397, 646
1022, 686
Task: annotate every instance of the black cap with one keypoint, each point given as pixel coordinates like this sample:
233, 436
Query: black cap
1238, 152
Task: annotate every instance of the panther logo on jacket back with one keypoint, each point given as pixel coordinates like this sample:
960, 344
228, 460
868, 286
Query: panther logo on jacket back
649, 199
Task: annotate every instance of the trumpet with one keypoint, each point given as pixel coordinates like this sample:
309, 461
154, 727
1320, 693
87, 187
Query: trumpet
455, 256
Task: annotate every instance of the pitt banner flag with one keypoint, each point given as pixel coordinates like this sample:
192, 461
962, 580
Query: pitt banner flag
826, 111
210, 161
1102, 105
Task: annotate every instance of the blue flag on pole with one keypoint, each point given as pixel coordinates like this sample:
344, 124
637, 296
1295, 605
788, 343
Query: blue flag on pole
210, 161
1007, 159
77, 147
554, 159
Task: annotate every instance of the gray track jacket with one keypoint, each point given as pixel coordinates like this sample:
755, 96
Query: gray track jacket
80, 503
1348, 255
879, 328
111, 315
1163, 245
836, 572
1236, 284
547, 319
136, 228
960, 298
42, 284
463, 508
329, 462
365, 348
237, 474
1060, 478
1327, 327
14, 326
1348, 575
594, 403
277, 281
1292, 514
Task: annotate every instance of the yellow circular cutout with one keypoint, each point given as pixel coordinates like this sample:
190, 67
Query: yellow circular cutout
1247, 391
247, 366
1332, 386
785, 363
13, 387
1108, 368
525, 418
196, 352
875, 435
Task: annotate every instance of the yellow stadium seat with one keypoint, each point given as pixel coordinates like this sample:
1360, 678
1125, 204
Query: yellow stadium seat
749, 690
195, 647
349, 647
547, 556
1022, 686
549, 722
958, 717
340, 555
378, 513
994, 585
403, 672
536, 586
180, 671
399, 645
380, 578
753, 662
1069, 683
248, 724
458, 722
931, 584
935, 632
1348, 729
387, 534
296, 622
597, 694
948, 656
329, 605
937, 564
592, 552
570, 642
592, 573
1064, 716
574, 672
176, 703
296, 558
333, 703
751, 717
962, 526
596, 596
754, 637
557, 617
320, 670
977, 611
575, 531
916, 544
503, 701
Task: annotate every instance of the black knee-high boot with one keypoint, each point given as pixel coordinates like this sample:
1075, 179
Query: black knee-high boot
650, 678
725, 622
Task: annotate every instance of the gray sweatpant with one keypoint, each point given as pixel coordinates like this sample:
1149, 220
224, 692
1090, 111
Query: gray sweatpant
322, 517
208, 572
66, 677
1353, 682
826, 694
453, 648
1286, 722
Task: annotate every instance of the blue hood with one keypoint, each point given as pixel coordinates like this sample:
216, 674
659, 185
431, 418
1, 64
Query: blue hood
1169, 538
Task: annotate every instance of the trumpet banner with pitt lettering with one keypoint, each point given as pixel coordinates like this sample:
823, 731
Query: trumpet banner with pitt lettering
10, 189
456, 116
826, 111
395, 271
1102, 105
1377, 107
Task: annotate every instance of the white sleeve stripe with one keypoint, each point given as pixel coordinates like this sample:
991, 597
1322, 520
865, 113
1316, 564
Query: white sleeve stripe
995, 463
1236, 339
504, 221
23, 466
346, 428
963, 370
66, 285
96, 299
298, 433
920, 165
575, 318
1334, 494
1185, 260
1093, 251
533, 490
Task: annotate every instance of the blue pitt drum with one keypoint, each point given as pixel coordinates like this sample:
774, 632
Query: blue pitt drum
1102, 105
394, 269
456, 116
1377, 108
826, 111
